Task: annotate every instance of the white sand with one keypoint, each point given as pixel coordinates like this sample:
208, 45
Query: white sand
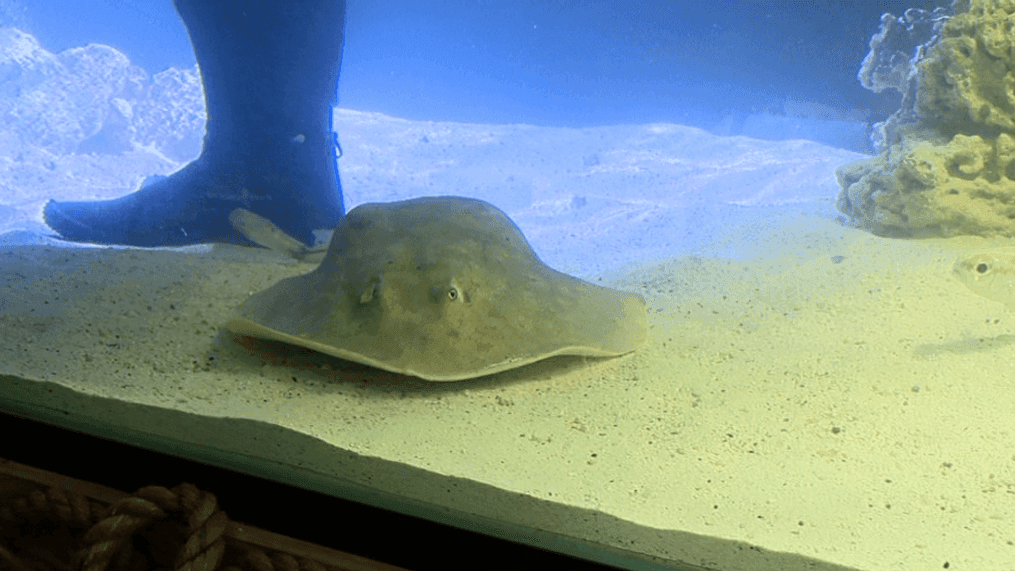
824, 399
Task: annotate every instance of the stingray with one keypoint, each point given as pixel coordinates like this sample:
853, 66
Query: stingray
444, 289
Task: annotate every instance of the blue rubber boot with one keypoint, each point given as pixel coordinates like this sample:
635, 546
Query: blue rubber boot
270, 72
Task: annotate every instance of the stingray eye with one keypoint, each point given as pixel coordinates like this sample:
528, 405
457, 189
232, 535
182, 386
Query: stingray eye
982, 268
370, 291
367, 295
453, 294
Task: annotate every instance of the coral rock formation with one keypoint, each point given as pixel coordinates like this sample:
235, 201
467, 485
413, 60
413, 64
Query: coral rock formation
947, 162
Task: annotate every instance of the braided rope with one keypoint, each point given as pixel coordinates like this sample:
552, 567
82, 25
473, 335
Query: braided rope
196, 510
69, 508
182, 528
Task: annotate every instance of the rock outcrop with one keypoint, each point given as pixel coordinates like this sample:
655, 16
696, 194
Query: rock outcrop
92, 100
947, 164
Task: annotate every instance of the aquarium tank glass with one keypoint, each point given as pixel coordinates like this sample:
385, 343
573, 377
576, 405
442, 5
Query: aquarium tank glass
652, 284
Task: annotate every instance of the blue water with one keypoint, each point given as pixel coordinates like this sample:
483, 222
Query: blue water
725, 66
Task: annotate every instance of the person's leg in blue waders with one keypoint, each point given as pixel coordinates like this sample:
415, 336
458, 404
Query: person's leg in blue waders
270, 71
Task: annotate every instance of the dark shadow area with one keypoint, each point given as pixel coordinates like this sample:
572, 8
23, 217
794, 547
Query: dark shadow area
347, 526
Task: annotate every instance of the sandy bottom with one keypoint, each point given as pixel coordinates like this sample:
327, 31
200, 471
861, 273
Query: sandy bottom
828, 399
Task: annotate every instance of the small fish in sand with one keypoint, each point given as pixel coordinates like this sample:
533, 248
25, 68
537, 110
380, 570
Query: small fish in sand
990, 273
263, 232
